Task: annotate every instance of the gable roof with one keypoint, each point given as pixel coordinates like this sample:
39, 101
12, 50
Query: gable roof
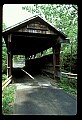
35, 17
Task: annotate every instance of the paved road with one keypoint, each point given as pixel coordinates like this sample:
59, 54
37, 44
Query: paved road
39, 97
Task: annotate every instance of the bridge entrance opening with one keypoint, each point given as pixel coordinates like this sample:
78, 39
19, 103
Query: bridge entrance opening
18, 61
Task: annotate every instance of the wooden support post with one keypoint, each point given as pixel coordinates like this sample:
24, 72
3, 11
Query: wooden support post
9, 58
56, 60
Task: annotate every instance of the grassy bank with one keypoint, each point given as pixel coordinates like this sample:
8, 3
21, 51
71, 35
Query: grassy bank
7, 100
4, 77
69, 85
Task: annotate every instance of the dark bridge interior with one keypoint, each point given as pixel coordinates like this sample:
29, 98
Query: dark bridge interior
36, 66
31, 44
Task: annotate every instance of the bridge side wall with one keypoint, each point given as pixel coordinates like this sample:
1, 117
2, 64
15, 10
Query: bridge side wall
43, 64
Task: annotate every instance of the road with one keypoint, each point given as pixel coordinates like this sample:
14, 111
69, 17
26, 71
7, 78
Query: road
39, 97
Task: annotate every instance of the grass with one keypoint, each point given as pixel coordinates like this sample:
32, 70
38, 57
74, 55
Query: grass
7, 100
69, 85
4, 77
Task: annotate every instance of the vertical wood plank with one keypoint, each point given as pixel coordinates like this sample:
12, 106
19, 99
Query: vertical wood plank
54, 62
58, 59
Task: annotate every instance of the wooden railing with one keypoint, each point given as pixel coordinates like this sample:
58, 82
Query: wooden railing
6, 82
69, 75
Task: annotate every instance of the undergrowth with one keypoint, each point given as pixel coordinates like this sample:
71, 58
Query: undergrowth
69, 85
8, 99
4, 77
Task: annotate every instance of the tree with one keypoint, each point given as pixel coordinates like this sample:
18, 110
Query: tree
4, 53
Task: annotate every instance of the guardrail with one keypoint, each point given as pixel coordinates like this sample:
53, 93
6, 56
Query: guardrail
69, 75
6, 82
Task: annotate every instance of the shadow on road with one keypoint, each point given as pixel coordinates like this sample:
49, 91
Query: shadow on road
44, 101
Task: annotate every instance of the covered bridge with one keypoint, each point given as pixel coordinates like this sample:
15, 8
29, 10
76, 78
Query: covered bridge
30, 37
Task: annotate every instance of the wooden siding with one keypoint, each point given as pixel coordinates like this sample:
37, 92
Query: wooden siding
44, 63
36, 27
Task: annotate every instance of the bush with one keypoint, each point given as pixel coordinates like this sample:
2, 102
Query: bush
4, 57
7, 100
69, 85
69, 81
4, 77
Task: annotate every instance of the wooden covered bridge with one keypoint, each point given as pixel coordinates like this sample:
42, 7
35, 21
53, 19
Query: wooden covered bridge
30, 37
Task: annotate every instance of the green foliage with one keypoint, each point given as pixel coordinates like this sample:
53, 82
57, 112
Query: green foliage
45, 52
69, 81
69, 89
38, 55
4, 77
4, 53
4, 26
69, 85
48, 51
7, 100
17, 58
4, 57
68, 57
